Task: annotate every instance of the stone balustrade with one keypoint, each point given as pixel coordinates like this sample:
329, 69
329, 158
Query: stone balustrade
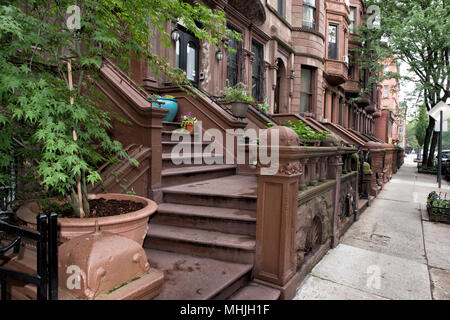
303, 209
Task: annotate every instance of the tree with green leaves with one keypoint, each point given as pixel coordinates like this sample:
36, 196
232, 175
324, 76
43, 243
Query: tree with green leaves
53, 127
414, 32
420, 127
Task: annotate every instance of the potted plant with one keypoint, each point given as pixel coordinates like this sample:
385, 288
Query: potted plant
188, 122
166, 102
438, 208
238, 98
308, 137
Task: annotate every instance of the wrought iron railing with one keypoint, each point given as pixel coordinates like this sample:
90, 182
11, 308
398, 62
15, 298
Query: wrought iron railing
46, 276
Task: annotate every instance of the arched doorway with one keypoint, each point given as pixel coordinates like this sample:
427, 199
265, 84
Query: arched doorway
281, 96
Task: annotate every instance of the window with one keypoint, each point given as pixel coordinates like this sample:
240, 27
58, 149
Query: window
281, 7
191, 59
386, 68
306, 89
385, 91
257, 71
352, 19
233, 69
309, 14
333, 41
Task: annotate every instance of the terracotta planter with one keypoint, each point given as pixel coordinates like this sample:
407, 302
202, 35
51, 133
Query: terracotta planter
133, 225
190, 127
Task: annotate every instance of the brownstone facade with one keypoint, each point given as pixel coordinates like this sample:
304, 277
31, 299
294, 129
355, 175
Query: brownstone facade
294, 54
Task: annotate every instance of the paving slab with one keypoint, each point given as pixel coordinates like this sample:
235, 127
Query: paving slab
440, 280
389, 227
376, 273
314, 288
437, 244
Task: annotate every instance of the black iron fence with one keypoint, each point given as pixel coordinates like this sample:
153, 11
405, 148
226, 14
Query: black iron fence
46, 276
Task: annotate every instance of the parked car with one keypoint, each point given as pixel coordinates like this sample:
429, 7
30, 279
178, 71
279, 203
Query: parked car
444, 156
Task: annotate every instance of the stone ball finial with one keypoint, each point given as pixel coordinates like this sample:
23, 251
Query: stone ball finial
331, 140
287, 136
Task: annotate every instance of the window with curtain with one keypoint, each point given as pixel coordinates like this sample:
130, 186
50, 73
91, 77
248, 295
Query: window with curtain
309, 14
386, 92
352, 18
333, 41
306, 90
281, 7
257, 71
233, 60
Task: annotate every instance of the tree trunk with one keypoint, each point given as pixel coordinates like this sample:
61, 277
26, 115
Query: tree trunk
434, 142
426, 143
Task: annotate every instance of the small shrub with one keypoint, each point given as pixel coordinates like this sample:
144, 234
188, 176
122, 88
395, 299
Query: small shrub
237, 93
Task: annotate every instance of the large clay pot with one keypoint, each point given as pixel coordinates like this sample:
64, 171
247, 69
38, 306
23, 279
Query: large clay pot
239, 109
133, 225
170, 104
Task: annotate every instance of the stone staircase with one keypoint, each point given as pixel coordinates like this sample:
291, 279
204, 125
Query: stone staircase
203, 235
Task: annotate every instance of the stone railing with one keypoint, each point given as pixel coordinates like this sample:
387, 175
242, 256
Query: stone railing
303, 209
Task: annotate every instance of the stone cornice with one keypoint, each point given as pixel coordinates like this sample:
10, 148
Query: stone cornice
308, 30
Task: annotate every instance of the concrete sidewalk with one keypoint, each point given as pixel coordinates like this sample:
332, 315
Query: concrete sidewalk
392, 252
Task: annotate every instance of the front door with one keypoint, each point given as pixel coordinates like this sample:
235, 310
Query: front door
187, 48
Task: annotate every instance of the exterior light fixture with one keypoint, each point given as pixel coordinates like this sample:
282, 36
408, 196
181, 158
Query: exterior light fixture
219, 55
175, 35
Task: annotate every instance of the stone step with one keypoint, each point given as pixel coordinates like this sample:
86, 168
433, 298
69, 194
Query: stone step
209, 244
237, 192
207, 218
169, 161
256, 291
189, 277
170, 126
167, 135
173, 176
167, 146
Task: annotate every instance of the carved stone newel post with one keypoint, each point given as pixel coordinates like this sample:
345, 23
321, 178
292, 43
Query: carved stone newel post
277, 213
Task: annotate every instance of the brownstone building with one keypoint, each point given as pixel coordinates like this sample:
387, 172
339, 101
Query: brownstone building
294, 54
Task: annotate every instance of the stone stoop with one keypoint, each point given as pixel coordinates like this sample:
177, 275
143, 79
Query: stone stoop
207, 223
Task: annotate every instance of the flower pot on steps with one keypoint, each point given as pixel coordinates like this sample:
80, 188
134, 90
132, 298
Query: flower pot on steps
190, 127
133, 225
170, 104
239, 109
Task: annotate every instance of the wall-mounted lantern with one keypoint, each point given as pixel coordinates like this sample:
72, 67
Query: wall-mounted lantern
219, 55
175, 35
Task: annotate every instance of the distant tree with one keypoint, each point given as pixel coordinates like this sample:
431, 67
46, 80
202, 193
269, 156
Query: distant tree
421, 127
411, 139
416, 33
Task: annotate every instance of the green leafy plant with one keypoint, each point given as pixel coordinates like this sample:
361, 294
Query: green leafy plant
55, 121
304, 132
264, 106
237, 93
437, 204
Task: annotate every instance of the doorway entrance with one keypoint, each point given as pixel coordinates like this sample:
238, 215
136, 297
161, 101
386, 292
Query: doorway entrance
187, 48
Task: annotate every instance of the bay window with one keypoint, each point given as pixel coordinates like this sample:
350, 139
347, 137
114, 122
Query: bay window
309, 14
